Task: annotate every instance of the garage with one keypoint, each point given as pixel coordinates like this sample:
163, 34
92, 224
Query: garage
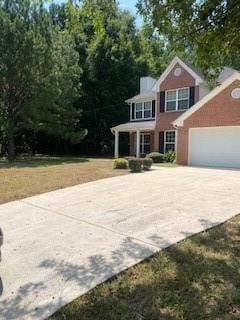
215, 146
208, 133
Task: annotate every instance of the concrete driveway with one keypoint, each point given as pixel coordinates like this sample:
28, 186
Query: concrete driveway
61, 244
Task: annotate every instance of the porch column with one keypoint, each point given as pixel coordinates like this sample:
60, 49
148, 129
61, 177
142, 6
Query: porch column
116, 145
138, 145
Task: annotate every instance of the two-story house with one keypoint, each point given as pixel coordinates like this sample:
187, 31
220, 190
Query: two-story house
166, 113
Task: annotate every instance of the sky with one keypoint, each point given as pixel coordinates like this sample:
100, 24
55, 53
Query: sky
131, 6
125, 5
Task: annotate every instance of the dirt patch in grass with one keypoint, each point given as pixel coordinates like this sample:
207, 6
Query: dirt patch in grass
25, 178
198, 279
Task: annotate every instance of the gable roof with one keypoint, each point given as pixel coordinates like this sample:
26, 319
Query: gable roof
179, 121
196, 74
195, 69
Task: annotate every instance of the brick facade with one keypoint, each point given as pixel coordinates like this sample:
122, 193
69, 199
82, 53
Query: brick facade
222, 110
173, 82
164, 119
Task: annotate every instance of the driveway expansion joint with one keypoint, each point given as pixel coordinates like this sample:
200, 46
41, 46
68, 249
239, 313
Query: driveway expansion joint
96, 225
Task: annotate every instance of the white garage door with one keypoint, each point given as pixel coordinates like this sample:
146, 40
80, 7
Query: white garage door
217, 147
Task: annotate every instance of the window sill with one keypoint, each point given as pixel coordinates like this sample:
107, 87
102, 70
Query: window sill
182, 110
143, 119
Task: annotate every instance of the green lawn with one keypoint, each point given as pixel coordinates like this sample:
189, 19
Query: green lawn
25, 178
197, 279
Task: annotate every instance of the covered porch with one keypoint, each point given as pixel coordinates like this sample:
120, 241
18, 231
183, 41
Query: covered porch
141, 137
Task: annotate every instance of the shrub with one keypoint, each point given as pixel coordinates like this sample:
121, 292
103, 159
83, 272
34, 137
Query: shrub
147, 163
120, 164
156, 157
169, 156
135, 164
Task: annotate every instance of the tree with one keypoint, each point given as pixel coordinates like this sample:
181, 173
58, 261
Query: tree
58, 14
153, 50
64, 67
208, 27
114, 54
39, 74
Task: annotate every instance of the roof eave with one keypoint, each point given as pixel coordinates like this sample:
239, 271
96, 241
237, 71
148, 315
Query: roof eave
198, 80
121, 127
140, 99
180, 120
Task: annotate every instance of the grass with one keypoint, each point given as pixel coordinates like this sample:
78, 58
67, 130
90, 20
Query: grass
166, 165
198, 278
25, 178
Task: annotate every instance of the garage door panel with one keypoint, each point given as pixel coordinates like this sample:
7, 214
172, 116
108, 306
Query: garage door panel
218, 147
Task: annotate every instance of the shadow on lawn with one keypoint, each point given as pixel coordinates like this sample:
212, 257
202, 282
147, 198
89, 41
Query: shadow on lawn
44, 161
197, 279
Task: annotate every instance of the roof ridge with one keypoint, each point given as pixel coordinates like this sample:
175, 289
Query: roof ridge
193, 67
195, 73
179, 121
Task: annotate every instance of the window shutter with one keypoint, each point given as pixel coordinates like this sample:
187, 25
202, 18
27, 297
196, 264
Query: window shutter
162, 101
133, 111
153, 109
191, 96
161, 141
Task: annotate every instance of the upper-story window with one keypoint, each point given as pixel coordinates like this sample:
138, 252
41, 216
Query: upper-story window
139, 111
147, 109
143, 110
177, 100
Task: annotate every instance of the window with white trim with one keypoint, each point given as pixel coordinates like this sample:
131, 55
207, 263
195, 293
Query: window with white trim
143, 110
138, 111
177, 100
169, 140
145, 143
147, 109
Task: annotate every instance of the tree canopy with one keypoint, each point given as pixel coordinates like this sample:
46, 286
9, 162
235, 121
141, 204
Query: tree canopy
210, 28
67, 69
39, 75
113, 55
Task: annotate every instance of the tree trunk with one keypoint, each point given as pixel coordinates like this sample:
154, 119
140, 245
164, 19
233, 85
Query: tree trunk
11, 148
